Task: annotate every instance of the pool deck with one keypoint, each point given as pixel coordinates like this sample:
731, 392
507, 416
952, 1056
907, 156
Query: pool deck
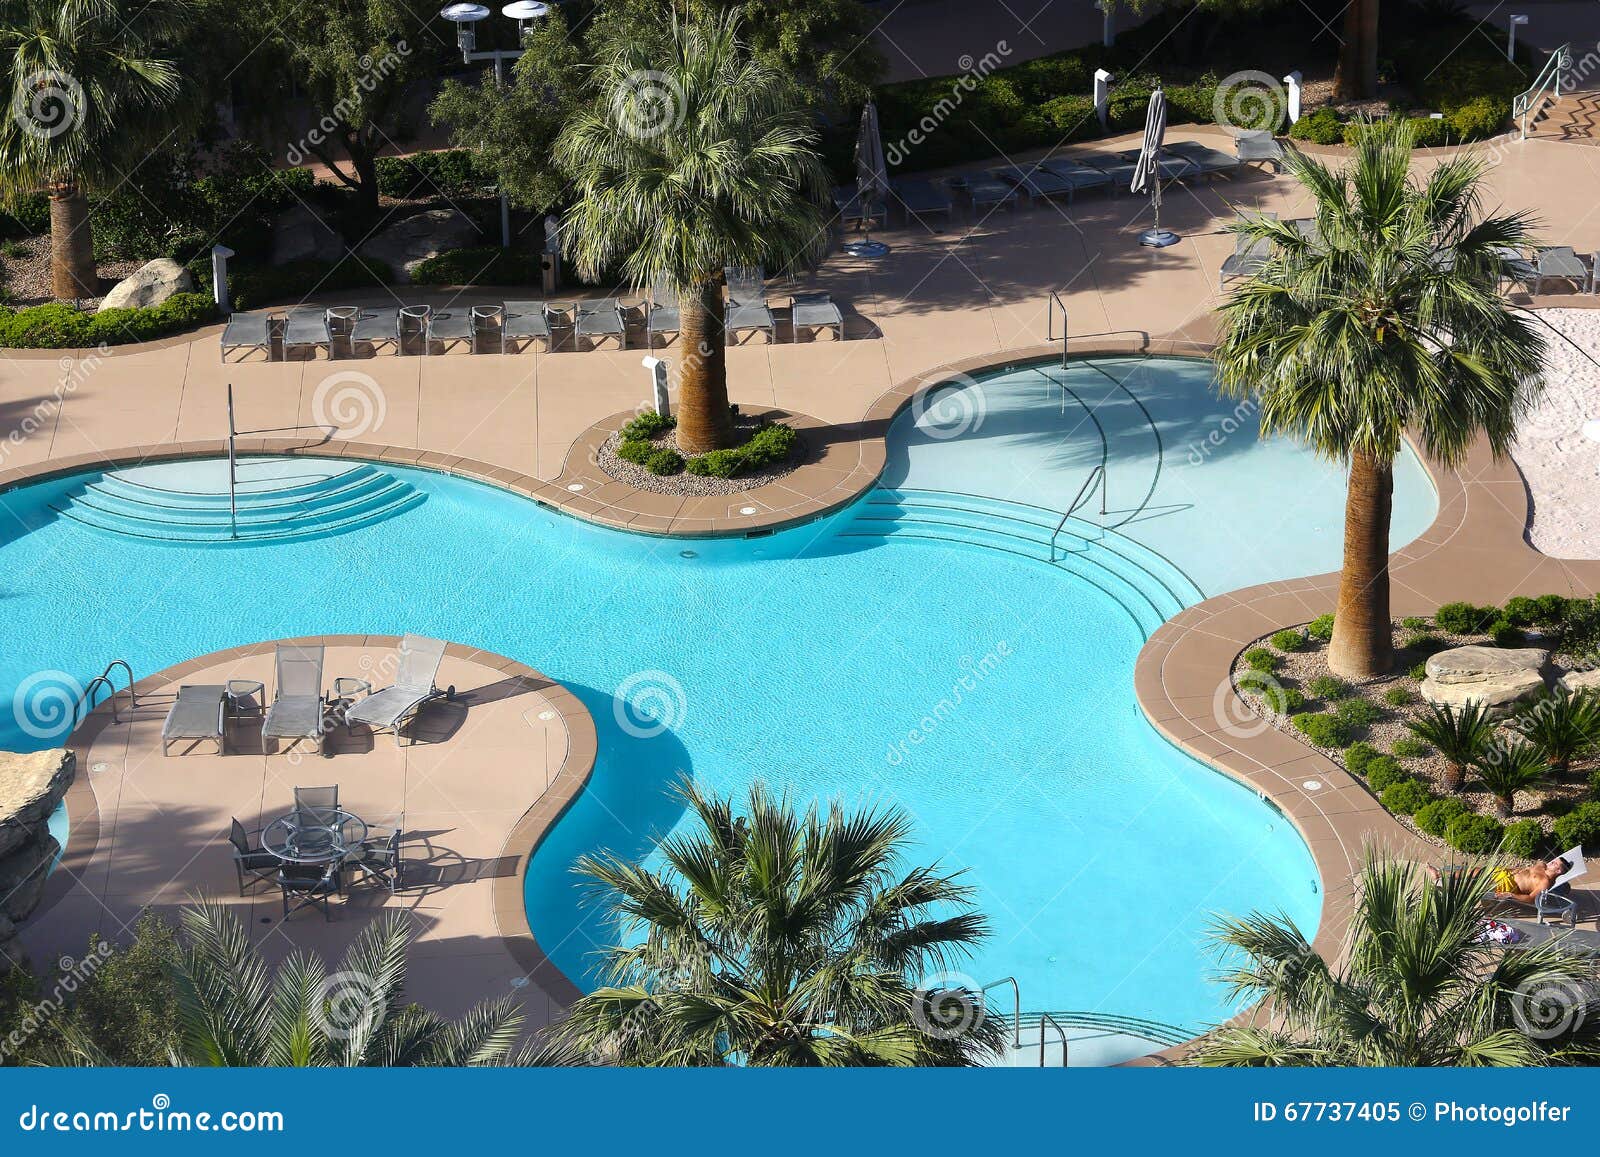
974, 294
491, 769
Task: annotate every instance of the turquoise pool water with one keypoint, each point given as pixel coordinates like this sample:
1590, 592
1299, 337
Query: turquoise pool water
987, 692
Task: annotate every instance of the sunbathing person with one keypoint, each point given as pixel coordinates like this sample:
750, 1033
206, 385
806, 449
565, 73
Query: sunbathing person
1523, 885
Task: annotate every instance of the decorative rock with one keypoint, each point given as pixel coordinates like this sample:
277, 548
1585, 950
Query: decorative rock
300, 235
1576, 681
151, 284
1475, 664
31, 786
1498, 694
22, 877
408, 243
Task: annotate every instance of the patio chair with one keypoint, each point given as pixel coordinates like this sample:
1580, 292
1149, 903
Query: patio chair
1248, 256
376, 327
661, 313
298, 703
1037, 183
450, 325
1081, 176
1515, 265
198, 713
248, 331
250, 859
1206, 160
984, 191
922, 198
378, 858
395, 707
815, 311
1259, 146
599, 318
524, 321
316, 807
747, 303
311, 885
307, 326
412, 319
1560, 261
847, 200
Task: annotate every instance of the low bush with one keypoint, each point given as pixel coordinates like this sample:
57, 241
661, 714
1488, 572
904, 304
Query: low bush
1414, 623
647, 425
717, 464
1594, 783
1505, 634
664, 461
1321, 627
453, 174
770, 444
1383, 772
635, 450
1522, 839
1358, 755
1426, 132
26, 216
253, 287
486, 265
1261, 659
1410, 747
1478, 119
1399, 695
1465, 619
1435, 817
1580, 827
1418, 671
1328, 687
58, 325
1521, 611
1549, 610
1322, 730
1423, 642
1474, 835
1406, 797
1280, 699
1357, 713
1322, 127
1288, 640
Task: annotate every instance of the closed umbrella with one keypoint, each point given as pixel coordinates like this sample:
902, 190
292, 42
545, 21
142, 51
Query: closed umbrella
1147, 174
872, 182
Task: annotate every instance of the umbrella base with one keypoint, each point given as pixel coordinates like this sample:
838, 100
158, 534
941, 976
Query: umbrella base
866, 249
1158, 238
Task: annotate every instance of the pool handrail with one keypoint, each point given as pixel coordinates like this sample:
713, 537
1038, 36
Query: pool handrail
1523, 104
104, 678
1051, 306
1016, 995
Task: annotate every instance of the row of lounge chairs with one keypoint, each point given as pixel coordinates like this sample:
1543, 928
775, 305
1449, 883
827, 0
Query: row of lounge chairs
1007, 185
514, 324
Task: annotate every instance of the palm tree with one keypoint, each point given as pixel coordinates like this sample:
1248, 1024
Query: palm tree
1562, 725
693, 156
1459, 736
1504, 771
779, 938
1387, 321
232, 1012
90, 88
1416, 986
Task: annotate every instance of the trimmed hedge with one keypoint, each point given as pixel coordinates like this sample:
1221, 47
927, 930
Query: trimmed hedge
456, 174
769, 444
252, 287
485, 265
1474, 834
58, 325
1580, 827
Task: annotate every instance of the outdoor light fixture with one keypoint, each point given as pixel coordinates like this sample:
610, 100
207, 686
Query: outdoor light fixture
465, 17
1511, 40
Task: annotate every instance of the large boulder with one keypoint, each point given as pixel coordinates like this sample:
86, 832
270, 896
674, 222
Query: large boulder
300, 235
151, 284
1499, 694
408, 243
31, 786
1576, 681
1477, 664
22, 877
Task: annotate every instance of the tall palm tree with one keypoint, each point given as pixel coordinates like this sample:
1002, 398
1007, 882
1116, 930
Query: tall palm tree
1387, 321
693, 156
232, 1011
89, 84
1416, 987
780, 938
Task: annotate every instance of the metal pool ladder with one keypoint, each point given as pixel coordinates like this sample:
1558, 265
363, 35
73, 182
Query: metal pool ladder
104, 680
1016, 1020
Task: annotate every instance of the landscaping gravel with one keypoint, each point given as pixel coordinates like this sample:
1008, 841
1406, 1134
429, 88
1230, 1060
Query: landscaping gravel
27, 273
1558, 459
694, 485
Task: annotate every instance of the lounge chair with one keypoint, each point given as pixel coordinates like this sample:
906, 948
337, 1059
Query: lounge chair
1561, 261
815, 311
747, 303
1081, 176
248, 331
1557, 900
1117, 168
1037, 183
1248, 258
253, 863
524, 321
376, 327
1206, 160
1170, 166
852, 212
298, 704
600, 317
198, 713
921, 198
984, 191
661, 313
450, 325
1515, 265
307, 326
395, 707
1259, 146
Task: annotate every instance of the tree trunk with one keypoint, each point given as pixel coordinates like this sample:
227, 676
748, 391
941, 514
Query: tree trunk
703, 420
1357, 77
1454, 776
365, 162
72, 270
1503, 806
1363, 644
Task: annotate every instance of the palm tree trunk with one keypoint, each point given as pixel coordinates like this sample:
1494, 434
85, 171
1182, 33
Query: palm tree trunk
1358, 59
1454, 776
1504, 805
703, 420
1363, 645
72, 270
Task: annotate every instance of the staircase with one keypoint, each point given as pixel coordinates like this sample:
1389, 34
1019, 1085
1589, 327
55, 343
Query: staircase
1145, 584
1575, 117
275, 506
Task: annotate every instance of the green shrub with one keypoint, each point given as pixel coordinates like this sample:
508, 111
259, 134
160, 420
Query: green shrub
1425, 642
1478, 119
1358, 755
1430, 133
1321, 627
1356, 712
664, 461
485, 265
1322, 730
1521, 611
1288, 640
1261, 659
1465, 619
1418, 671
1413, 623
1383, 772
57, 325
635, 450
1410, 747
769, 444
1328, 687
454, 174
1522, 839
1278, 698
26, 216
1474, 835
717, 464
1594, 783
1506, 635
1549, 610
255, 286
1405, 797
647, 425
1580, 827
1322, 127
1399, 695
1434, 817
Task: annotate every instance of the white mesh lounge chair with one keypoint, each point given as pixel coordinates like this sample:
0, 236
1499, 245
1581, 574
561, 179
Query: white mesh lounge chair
1248, 256
1117, 168
984, 191
198, 713
1560, 261
815, 311
248, 331
1081, 176
446, 326
395, 707
1170, 166
307, 326
1037, 183
1258, 146
1515, 265
376, 327
921, 198
524, 321
1206, 160
661, 313
747, 303
297, 707
599, 318
851, 210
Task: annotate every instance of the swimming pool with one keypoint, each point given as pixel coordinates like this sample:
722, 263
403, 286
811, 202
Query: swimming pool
986, 691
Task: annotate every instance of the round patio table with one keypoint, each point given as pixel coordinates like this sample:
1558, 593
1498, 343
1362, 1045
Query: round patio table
285, 838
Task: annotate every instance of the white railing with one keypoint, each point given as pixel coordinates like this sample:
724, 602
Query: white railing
1525, 105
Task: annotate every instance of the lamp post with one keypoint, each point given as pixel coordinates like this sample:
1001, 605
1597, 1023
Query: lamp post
466, 16
1511, 39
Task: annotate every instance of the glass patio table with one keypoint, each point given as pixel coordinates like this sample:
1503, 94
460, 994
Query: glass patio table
293, 843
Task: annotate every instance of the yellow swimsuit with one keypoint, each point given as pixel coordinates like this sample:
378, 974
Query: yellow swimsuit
1503, 880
